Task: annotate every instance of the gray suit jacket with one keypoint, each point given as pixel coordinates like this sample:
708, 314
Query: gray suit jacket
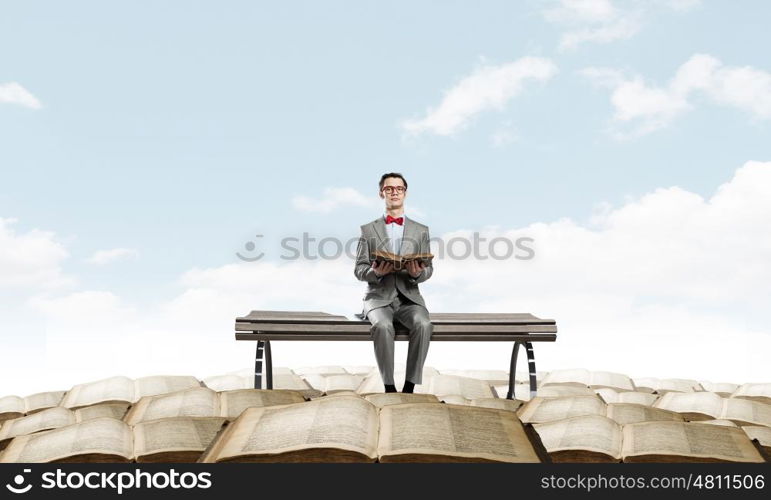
382, 291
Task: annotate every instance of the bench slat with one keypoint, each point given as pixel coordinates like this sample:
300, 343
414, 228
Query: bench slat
362, 327
534, 337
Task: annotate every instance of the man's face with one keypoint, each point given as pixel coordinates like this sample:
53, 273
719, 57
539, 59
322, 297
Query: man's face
393, 192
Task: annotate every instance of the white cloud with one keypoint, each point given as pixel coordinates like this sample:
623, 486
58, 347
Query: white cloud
13, 93
602, 21
333, 199
668, 285
488, 87
103, 257
641, 107
31, 259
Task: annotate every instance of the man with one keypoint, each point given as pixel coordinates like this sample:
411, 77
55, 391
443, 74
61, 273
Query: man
395, 294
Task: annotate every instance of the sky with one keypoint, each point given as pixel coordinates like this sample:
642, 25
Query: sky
145, 145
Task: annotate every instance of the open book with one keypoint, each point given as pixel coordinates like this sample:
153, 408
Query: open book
105, 439
348, 428
56, 417
542, 410
595, 438
124, 389
707, 405
400, 261
15, 406
204, 402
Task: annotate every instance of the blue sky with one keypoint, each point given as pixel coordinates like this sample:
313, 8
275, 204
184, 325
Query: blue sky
178, 130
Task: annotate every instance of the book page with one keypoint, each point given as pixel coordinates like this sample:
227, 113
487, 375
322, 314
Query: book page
759, 432
112, 410
746, 411
12, 405
595, 433
636, 397
445, 430
561, 390
694, 405
347, 382
101, 435
91, 393
396, 398
454, 399
757, 391
229, 382
679, 385
492, 377
292, 382
232, 403
617, 381
499, 403
575, 376
539, 410
629, 413
469, 388
51, 418
163, 384
724, 389
343, 422
197, 402
175, 434
43, 400
686, 439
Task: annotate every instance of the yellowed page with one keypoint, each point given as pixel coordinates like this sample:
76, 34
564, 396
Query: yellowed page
51, 418
595, 433
110, 389
232, 403
43, 400
539, 410
175, 434
469, 388
499, 403
746, 411
617, 381
342, 422
397, 398
101, 435
694, 405
630, 413
163, 384
112, 410
438, 429
572, 376
688, 439
197, 402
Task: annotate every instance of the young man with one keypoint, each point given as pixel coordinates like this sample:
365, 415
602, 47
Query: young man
395, 294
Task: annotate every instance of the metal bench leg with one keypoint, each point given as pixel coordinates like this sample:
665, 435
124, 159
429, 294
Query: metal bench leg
268, 365
530, 366
258, 365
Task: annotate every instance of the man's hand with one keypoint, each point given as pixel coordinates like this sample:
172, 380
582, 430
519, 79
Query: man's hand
414, 268
382, 268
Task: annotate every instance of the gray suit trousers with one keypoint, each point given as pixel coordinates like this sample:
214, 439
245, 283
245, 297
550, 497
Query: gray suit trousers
415, 318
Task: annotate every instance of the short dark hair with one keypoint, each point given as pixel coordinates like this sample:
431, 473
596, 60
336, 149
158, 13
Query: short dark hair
392, 174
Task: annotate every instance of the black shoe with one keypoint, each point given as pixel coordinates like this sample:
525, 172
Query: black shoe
408, 386
390, 388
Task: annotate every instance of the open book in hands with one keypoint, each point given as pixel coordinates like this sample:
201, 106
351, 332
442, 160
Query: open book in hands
400, 261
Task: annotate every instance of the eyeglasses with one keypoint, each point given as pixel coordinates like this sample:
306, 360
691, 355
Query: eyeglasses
391, 189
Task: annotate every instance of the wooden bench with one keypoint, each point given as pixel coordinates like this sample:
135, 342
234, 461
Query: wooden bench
521, 328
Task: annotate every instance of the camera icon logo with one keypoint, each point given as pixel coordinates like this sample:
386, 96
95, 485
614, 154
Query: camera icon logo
18, 481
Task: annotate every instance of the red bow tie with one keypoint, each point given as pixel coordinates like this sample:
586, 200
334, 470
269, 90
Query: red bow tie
398, 220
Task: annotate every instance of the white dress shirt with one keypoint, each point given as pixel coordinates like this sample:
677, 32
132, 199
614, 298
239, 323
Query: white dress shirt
395, 233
